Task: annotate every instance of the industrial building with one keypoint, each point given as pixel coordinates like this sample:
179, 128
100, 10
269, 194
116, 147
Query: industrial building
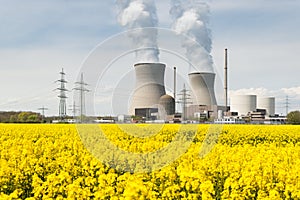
150, 101
267, 103
243, 104
252, 109
247, 105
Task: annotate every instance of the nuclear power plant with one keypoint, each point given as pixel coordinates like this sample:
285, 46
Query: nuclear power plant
198, 101
150, 101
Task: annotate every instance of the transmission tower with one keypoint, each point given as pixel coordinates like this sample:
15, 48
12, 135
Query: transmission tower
74, 109
184, 100
43, 112
82, 89
62, 95
287, 103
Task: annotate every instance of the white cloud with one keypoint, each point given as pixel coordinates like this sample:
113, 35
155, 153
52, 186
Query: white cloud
252, 91
293, 92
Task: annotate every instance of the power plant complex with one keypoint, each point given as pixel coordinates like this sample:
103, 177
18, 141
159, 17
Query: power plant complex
150, 101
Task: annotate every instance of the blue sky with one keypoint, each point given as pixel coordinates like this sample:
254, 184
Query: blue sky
38, 38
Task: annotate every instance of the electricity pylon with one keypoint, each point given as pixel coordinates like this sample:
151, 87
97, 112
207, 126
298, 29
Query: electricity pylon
43, 112
82, 89
74, 109
185, 97
62, 95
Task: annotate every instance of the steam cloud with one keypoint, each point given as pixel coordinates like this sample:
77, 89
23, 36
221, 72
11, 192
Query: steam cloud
138, 16
191, 18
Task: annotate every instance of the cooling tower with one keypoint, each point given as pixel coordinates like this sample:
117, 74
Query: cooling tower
149, 86
202, 85
243, 104
267, 103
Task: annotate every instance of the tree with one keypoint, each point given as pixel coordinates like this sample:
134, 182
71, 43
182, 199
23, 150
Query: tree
293, 117
33, 118
13, 118
135, 118
22, 117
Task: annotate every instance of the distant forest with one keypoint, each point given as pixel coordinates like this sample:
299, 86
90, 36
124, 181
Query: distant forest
24, 117
20, 117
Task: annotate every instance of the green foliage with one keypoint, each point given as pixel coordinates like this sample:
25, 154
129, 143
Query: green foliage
33, 118
20, 117
293, 117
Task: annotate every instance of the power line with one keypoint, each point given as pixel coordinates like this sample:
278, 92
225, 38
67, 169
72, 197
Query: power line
82, 89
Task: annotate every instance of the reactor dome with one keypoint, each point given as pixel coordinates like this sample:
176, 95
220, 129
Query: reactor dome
168, 103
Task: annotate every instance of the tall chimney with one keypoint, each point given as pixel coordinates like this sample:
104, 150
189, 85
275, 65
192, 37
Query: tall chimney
226, 82
175, 84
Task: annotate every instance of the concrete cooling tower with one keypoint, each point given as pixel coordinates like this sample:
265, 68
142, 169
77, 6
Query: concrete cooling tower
202, 85
149, 86
267, 103
243, 104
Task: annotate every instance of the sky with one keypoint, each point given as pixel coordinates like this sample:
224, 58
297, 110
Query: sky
39, 38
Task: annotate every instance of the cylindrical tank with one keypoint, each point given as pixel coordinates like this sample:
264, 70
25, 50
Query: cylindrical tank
149, 86
220, 114
168, 103
243, 104
202, 85
267, 103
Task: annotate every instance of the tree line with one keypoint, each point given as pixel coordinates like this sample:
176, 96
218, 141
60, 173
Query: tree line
20, 117
33, 117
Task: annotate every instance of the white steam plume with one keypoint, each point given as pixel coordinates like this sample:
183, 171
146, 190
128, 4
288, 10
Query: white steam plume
191, 18
137, 16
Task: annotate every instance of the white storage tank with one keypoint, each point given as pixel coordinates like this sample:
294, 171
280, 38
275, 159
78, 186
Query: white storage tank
220, 114
243, 104
267, 103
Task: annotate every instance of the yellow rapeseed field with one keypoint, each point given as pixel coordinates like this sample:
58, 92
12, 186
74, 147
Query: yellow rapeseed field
57, 162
